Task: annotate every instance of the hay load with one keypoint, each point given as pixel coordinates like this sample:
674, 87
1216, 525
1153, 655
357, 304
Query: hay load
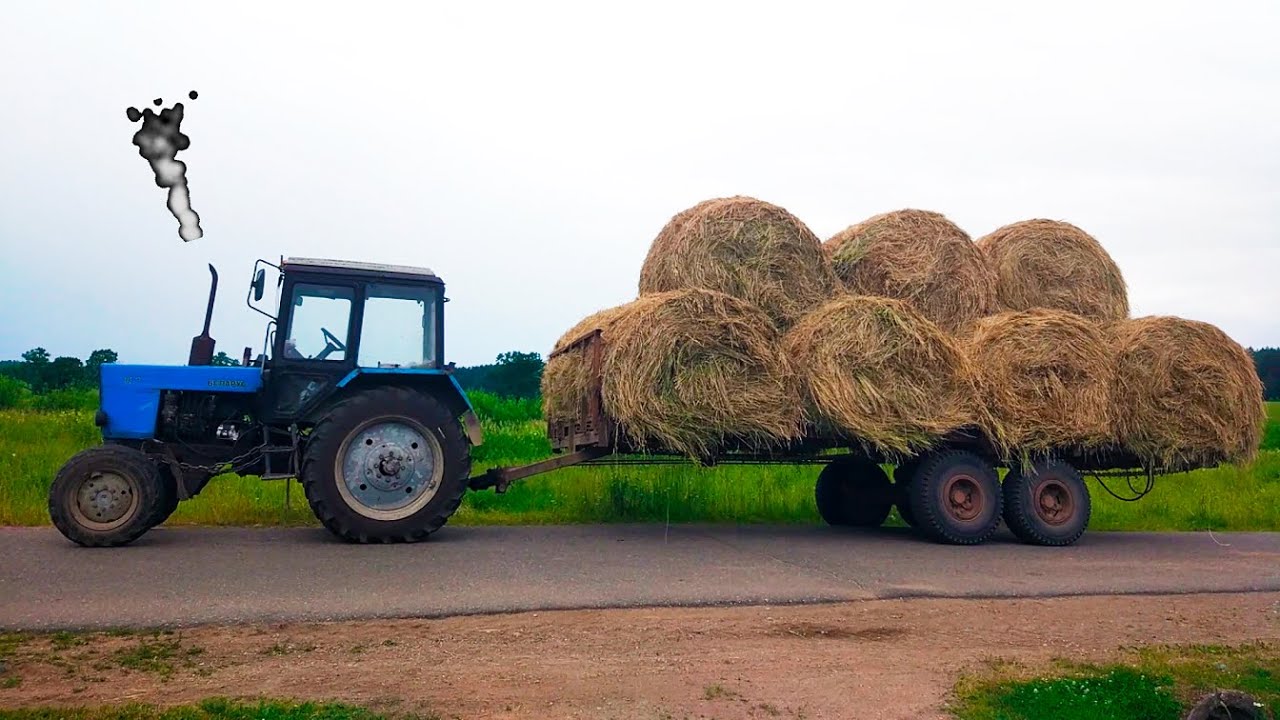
918, 256
1185, 394
743, 247
877, 370
1045, 378
689, 371
566, 378
1054, 265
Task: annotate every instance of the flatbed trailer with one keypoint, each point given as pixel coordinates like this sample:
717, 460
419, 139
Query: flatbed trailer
952, 493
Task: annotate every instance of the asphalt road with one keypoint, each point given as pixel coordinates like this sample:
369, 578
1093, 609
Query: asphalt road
183, 576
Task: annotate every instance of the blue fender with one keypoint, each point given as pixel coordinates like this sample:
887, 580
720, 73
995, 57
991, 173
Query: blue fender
442, 384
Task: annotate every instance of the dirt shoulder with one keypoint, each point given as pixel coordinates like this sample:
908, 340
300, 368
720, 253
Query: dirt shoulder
873, 659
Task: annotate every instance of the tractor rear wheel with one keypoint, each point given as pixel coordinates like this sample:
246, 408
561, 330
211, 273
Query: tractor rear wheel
105, 496
854, 493
1049, 505
386, 465
955, 498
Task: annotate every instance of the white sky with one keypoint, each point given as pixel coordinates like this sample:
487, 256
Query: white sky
529, 152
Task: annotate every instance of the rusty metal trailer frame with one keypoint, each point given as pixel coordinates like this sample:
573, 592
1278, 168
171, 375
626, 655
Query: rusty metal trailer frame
592, 437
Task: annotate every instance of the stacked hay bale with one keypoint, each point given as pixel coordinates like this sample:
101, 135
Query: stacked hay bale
691, 371
878, 372
1045, 379
744, 247
896, 333
1054, 265
1185, 394
918, 256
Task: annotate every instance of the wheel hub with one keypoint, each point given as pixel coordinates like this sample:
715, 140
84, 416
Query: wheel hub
964, 498
389, 468
104, 498
1053, 502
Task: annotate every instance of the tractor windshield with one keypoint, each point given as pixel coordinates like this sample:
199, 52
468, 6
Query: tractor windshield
399, 326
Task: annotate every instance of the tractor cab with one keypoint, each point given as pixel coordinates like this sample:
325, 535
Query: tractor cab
338, 320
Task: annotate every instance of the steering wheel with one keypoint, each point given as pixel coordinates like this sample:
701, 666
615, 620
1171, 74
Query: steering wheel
331, 343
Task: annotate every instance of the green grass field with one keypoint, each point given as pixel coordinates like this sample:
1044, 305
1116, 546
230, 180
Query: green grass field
34, 444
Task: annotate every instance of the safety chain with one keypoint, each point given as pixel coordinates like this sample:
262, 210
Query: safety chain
233, 461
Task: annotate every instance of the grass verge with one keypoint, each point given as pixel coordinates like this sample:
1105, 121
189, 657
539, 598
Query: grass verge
1152, 683
34, 444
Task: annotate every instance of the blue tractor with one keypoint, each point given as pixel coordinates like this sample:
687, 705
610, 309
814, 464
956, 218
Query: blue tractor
351, 395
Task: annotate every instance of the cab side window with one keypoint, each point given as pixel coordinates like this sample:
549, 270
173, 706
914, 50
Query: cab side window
318, 322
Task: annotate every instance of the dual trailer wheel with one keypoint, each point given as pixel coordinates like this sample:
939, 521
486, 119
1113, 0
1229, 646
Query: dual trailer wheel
956, 497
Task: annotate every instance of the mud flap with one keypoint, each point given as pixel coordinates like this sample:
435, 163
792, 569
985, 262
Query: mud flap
471, 424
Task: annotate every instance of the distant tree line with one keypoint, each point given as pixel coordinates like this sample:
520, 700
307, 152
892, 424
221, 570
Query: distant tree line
65, 382
1267, 360
515, 374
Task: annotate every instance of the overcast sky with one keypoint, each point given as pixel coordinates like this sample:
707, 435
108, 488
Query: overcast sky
529, 152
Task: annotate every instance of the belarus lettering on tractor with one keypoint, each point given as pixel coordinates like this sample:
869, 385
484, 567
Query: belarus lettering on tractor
352, 397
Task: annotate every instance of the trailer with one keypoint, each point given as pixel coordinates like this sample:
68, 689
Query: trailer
353, 398
951, 494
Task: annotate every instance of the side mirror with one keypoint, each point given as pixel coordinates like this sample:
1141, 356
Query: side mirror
259, 282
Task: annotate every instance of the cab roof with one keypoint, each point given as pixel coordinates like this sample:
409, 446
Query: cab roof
362, 269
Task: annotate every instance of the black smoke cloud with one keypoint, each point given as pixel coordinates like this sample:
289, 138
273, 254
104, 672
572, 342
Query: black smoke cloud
159, 140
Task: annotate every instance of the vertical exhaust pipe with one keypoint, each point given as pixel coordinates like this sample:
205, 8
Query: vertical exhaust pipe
202, 344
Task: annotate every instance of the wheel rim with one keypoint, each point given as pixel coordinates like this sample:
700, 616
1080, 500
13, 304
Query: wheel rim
962, 497
104, 501
389, 469
1052, 501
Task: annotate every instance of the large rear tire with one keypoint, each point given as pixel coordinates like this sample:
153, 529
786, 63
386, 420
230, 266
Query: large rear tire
955, 498
386, 465
105, 496
1049, 505
853, 493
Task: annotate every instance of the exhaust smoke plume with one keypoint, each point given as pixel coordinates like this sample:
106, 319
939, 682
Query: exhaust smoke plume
159, 140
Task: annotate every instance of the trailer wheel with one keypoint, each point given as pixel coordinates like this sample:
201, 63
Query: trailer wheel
387, 465
1049, 505
853, 493
105, 496
955, 498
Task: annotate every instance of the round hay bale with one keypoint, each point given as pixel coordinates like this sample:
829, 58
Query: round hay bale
1054, 265
918, 256
747, 248
1186, 395
1045, 378
566, 378
696, 371
879, 371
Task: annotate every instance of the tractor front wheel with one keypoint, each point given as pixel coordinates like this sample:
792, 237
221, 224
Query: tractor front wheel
386, 465
105, 496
